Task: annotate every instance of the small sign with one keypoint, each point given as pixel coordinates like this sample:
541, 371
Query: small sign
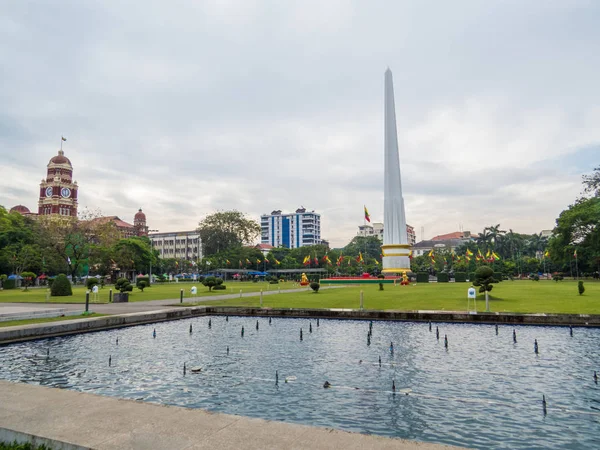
471, 293
194, 290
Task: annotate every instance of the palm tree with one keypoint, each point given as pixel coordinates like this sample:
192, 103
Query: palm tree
483, 240
495, 233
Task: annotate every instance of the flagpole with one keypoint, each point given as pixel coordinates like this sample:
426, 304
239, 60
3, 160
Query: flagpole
576, 266
61, 141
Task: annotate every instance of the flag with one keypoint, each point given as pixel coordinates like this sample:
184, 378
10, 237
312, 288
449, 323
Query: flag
68, 260
258, 261
360, 258
63, 138
176, 263
266, 260
277, 261
376, 262
431, 255
367, 216
227, 262
575, 254
306, 260
316, 261
469, 253
339, 260
240, 263
488, 254
458, 258
248, 261
546, 254
326, 259
479, 256
495, 257
410, 255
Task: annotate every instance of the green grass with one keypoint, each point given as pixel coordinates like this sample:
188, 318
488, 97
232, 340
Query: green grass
12, 323
508, 296
156, 292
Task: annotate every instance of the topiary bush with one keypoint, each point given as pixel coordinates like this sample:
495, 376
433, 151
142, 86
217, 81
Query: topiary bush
28, 279
484, 277
535, 277
141, 285
91, 282
61, 287
211, 282
381, 286
460, 277
557, 277
442, 277
123, 285
219, 287
140, 279
422, 277
580, 287
315, 286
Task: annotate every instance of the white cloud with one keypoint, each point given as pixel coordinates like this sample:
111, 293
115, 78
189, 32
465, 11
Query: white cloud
190, 107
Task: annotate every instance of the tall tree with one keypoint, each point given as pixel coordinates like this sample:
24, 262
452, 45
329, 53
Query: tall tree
224, 230
591, 183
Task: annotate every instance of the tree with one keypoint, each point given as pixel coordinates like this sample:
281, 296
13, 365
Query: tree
123, 285
133, 254
591, 183
226, 229
484, 277
28, 278
211, 282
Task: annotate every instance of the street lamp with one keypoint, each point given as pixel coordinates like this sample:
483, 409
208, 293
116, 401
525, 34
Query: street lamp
151, 255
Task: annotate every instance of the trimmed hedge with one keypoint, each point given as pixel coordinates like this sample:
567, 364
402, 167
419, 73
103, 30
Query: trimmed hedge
471, 276
8, 284
219, 287
61, 287
442, 277
498, 276
460, 277
422, 277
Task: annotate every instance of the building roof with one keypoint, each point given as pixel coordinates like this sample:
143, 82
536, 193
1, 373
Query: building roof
114, 219
60, 159
139, 215
20, 209
264, 246
439, 243
443, 237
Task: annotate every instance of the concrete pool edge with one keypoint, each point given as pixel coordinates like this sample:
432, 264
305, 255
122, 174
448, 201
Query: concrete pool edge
99, 422
52, 329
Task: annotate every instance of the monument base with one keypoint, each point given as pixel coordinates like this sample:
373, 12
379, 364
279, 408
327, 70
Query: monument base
395, 258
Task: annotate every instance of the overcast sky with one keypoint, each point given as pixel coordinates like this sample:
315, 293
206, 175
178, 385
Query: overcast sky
183, 108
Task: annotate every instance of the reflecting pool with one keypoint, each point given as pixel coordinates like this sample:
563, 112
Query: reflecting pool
482, 391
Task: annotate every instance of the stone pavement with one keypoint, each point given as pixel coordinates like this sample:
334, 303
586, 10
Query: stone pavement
104, 423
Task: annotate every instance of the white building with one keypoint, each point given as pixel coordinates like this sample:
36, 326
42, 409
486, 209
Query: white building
376, 229
291, 230
178, 244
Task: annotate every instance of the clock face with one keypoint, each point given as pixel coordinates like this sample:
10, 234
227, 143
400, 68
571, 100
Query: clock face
48, 192
65, 192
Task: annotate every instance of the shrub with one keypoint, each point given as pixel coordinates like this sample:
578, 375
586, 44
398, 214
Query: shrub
211, 282
273, 282
460, 277
484, 277
50, 281
442, 277
9, 284
61, 287
471, 276
535, 277
422, 277
144, 279
498, 276
91, 282
219, 281
219, 287
141, 285
381, 276
580, 287
381, 286
315, 286
28, 278
557, 277
123, 285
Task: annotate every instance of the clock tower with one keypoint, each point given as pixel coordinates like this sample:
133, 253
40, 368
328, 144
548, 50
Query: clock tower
58, 192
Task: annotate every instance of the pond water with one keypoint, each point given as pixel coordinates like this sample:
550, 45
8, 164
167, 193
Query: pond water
483, 391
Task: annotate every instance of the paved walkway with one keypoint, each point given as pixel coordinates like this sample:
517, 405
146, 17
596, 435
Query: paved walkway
151, 305
105, 423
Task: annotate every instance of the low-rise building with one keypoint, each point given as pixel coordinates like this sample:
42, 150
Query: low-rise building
376, 229
181, 245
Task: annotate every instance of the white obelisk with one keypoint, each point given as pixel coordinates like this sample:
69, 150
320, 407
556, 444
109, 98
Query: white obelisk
395, 248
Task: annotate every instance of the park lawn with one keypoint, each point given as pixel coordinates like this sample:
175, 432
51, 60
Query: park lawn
509, 296
12, 323
156, 292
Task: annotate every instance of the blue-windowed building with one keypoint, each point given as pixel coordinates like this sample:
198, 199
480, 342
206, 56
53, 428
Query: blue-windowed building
291, 230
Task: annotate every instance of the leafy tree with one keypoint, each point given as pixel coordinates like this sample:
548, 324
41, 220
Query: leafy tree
141, 285
61, 286
211, 282
123, 285
28, 278
226, 229
133, 253
591, 183
484, 277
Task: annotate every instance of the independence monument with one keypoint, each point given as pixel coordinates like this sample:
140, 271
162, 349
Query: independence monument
395, 248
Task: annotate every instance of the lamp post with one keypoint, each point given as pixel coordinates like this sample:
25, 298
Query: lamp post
151, 255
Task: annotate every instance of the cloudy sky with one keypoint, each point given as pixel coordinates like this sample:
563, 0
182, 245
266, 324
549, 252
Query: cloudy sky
186, 107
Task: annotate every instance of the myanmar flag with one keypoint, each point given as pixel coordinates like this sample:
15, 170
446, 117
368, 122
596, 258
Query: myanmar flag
339, 260
248, 261
258, 261
575, 254
376, 262
316, 261
277, 261
367, 216
266, 260
410, 255
495, 257
547, 254
306, 260
360, 258
469, 253
227, 262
